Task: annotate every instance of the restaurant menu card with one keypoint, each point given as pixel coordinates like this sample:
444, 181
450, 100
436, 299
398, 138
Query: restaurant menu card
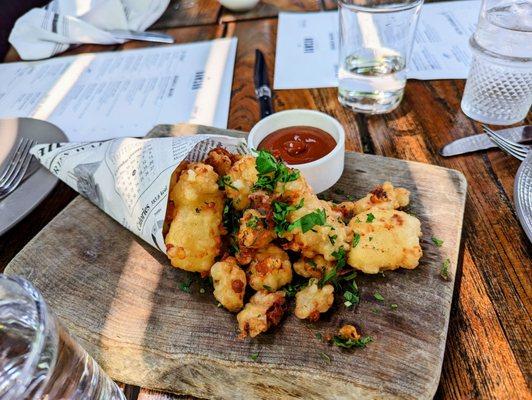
129, 178
307, 45
100, 96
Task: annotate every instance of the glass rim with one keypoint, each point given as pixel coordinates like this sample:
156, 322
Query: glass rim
385, 8
23, 381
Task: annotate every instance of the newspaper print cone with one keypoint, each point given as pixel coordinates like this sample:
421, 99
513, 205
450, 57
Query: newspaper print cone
129, 178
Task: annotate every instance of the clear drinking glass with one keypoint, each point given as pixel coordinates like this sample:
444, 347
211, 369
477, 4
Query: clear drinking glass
38, 358
376, 39
499, 87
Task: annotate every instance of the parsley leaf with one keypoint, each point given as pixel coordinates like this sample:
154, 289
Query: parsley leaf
308, 221
437, 242
265, 162
378, 296
356, 240
291, 290
224, 181
444, 270
393, 306
332, 239
270, 171
268, 288
350, 343
254, 356
370, 217
252, 223
185, 286
280, 212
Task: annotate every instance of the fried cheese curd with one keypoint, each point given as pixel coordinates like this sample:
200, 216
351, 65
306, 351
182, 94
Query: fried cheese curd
263, 311
384, 197
349, 332
242, 176
256, 230
229, 282
325, 239
270, 270
311, 301
315, 267
221, 160
194, 238
385, 240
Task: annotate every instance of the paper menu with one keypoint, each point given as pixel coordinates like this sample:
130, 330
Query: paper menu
307, 45
115, 94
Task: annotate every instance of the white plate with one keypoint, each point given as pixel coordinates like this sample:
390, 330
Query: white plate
35, 188
523, 194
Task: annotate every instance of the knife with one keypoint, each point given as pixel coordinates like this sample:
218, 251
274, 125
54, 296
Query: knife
157, 37
521, 134
262, 85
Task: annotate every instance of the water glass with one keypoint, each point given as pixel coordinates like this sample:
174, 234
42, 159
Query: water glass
499, 87
376, 38
38, 358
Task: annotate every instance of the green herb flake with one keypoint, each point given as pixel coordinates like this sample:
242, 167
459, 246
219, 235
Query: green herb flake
185, 286
338, 191
270, 171
370, 217
280, 213
332, 239
370, 238
308, 221
325, 357
291, 290
312, 263
319, 336
225, 181
252, 222
393, 306
378, 296
356, 240
437, 242
350, 198
265, 162
375, 310
268, 288
350, 343
444, 269
254, 356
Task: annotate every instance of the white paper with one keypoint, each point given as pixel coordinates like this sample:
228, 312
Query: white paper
99, 96
307, 45
129, 178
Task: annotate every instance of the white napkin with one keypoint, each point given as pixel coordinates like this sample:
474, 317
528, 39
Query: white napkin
43, 32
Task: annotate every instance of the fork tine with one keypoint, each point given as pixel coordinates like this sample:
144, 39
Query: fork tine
16, 166
519, 147
12, 160
21, 171
504, 146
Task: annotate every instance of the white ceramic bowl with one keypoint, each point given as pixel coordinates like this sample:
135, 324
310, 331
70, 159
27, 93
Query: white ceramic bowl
322, 173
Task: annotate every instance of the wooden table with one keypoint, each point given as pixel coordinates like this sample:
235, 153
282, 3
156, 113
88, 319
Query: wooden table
489, 344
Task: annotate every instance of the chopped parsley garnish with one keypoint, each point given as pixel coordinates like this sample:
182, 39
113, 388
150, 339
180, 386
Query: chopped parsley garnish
280, 212
268, 288
393, 306
350, 198
340, 258
270, 171
308, 221
378, 296
332, 239
252, 223
325, 357
370, 217
319, 336
370, 238
254, 356
225, 181
291, 290
356, 240
437, 242
329, 276
312, 263
332, 275
350, 343
230, 217
185, 286
444, 270
352, 296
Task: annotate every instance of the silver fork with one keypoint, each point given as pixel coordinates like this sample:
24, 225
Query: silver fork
16, 167
514, 149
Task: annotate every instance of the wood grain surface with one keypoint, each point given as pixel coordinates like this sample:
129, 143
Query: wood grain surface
121, 299
488, 354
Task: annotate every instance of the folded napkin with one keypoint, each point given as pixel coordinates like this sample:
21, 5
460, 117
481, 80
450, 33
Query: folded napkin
43, 32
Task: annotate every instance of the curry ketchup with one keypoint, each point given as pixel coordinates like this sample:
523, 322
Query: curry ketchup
298, 144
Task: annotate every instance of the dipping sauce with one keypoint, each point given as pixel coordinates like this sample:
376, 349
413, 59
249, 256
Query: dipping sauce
298, 144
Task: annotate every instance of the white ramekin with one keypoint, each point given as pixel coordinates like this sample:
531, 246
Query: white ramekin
322, 173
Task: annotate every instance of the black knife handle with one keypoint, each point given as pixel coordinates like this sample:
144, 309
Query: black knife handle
264, 95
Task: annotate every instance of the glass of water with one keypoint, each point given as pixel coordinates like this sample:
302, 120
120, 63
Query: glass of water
38, 358
376, 39
499, 87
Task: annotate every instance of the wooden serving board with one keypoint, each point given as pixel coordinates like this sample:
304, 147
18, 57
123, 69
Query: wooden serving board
122, 299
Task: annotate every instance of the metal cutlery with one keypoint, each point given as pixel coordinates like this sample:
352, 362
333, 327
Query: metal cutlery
514, 149
521, 134
156, 37
16, 167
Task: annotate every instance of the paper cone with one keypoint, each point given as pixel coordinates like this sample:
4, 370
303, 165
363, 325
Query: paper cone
129, 178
